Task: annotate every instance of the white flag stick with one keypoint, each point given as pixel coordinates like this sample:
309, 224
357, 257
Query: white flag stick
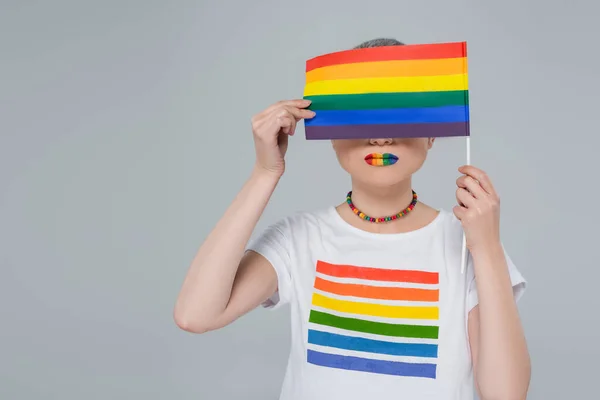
463, 263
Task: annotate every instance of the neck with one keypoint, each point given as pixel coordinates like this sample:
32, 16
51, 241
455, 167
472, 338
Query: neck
382, 202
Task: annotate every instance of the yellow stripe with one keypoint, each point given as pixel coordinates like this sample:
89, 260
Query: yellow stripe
387, 69
387, 85
376, 310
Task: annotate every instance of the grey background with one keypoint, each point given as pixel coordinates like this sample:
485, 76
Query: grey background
125, 133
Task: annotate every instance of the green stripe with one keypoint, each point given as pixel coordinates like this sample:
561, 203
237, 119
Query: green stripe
388, 100
379, 328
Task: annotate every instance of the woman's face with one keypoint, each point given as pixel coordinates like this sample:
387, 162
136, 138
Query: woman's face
382, 162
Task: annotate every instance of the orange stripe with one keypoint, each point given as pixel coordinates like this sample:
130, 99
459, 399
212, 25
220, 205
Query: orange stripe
377, 292
388, 69
377, 274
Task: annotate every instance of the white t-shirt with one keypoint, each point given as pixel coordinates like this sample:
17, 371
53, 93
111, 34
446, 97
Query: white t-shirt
380, 316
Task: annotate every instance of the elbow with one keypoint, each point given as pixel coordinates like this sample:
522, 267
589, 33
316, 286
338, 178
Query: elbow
504, 396
509, 393
191, 324
514, 389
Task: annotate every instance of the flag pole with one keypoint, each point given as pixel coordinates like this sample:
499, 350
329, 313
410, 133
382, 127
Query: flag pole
463, 263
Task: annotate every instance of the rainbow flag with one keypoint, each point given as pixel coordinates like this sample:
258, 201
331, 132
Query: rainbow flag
394, 91
374, 320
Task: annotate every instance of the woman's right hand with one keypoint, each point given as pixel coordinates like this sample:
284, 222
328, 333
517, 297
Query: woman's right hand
271, 129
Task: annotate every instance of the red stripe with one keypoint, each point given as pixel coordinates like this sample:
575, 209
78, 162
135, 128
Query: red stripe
389, 53
377, 274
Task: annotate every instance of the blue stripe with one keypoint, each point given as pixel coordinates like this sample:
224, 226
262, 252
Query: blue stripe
372, 346
370, 365
390, 116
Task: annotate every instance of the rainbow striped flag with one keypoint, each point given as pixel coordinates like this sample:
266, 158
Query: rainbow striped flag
393, 91
374, 320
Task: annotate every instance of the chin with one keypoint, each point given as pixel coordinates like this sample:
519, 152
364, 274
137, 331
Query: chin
384, 177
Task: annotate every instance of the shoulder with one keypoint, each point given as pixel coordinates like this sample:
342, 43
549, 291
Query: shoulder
301, 222
300, 219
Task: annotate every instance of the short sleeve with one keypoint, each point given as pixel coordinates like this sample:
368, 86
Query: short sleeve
517, 280
274, 245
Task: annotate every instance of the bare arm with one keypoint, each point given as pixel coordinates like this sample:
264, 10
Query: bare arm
204, 301
500, 357
499, 351
222, 283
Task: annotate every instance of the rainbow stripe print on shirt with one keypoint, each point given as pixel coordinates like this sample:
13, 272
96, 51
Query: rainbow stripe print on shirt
374, 320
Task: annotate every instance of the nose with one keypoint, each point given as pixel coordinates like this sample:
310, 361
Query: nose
381, 141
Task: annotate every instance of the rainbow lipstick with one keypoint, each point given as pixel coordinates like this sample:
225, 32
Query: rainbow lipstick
381, 159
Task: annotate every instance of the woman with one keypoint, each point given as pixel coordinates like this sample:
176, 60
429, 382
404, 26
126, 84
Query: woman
379, 306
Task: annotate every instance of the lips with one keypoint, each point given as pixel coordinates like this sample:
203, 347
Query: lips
381, 159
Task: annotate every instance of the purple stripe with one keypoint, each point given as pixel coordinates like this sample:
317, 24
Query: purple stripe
387, 131
371, 365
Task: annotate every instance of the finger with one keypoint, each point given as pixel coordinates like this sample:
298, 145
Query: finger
297, 103
280, 121
293, 112
286, 123
292, 128
464, 198
480, 176
460, 212
299, 113
469, 183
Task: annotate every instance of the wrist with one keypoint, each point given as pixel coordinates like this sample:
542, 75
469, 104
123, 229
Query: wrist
489, 250
262, 174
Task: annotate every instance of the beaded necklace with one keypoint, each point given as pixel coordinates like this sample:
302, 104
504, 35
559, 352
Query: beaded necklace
381, 219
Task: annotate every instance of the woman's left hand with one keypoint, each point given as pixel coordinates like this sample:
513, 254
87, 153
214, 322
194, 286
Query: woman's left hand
478, 208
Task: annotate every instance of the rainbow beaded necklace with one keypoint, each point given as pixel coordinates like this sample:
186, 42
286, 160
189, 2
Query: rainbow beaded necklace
381, 219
